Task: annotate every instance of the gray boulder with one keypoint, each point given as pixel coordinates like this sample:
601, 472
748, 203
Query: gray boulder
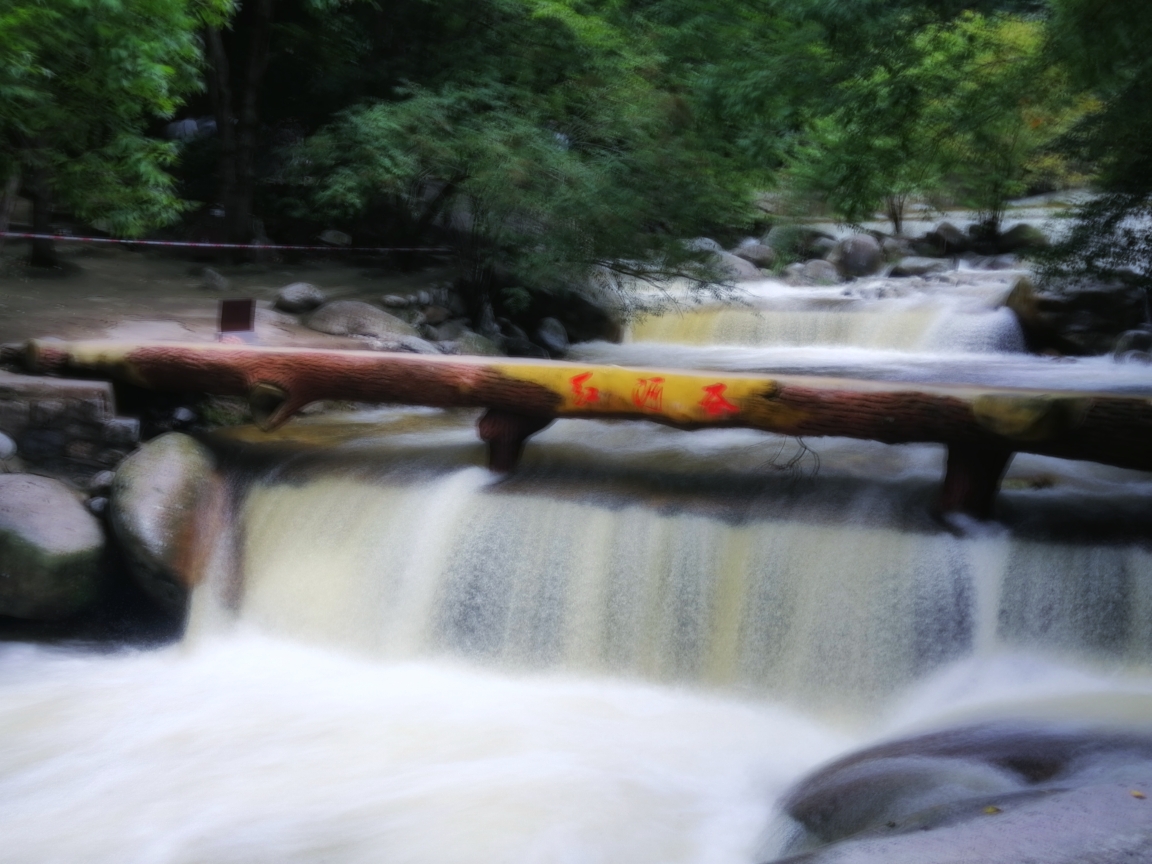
796, 241
821, 272
858, 255
951, 239
1021, 238
355, 318
896, 248
733, 267
396, 301
7, 447
756, 252
299, 297
551, 334
703, 244
161, 495
50, 549
213, 281
335, 238
920, 266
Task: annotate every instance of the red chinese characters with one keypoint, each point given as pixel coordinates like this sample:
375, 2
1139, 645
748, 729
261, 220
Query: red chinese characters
648, 393
715, 403
584, 395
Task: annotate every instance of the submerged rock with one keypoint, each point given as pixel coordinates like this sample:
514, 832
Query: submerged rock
158, 497
299, 297
916, 266
356, 318
51, 549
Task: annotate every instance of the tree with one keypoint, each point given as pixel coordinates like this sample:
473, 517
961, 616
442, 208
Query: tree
568, 157
79, 82
1105, 45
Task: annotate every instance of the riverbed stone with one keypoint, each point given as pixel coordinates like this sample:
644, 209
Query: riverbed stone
51, 549
158, 495
474, 344
1022, 238
7, 447
917, 266
858, 255
356, 318
821, 272
551, 334
299, 297
756, 252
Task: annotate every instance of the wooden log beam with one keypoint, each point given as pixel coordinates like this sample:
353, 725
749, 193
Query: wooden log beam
973, 421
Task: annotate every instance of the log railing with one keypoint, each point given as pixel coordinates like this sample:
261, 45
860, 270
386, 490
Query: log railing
982, 427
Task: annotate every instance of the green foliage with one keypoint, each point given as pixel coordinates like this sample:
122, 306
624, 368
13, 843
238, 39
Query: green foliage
1105, 44
972, 107
79, 82
572, 155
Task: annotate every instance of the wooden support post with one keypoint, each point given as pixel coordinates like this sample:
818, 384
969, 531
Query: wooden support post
505, 434
972, 479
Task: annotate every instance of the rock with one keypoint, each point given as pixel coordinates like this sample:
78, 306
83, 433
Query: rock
396, 301
951, 240
822, 247
1022, 238
51, 549
920, 266
415, 345
756, 252
999, 793
160, 496
1133, 340
703, 244
435, 315
335, 238
896, 248
423, 298
474, 343
450, 331
858, 255
355, 318
795, 241
299, 297
213, 281
821, 272
551, 334
734, 267
517, 347
96, 506
7, 447
101, 481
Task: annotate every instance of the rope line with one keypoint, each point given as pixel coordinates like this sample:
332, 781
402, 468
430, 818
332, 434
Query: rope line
187, 244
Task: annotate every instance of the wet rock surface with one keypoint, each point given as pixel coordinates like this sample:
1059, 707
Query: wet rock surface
356, 318
51, 549
157, 495
1000, 793
299, 297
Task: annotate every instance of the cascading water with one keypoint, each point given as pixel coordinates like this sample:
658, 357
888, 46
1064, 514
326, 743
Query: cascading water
627, 651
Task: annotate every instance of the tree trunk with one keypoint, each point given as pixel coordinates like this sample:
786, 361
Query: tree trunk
43, 251
8, 201
238, 125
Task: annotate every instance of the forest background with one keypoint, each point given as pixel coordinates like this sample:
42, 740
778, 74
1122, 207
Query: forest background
545, 141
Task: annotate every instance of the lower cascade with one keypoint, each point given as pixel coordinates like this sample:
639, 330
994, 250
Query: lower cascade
646, 645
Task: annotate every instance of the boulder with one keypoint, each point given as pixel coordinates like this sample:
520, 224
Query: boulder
436, 315
796, 241
896, 248
756, 252
335, 238
356, 318
474, 343
951, 240
551, 334
414, 345
161, 495
212, 281
299, 297
1022, 238
1138, 342
517, 347
7, 447
703, 244
1000, 793
920, 266
51, 549
450, 331
396, 301
821, 272
858, 255
734, 267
